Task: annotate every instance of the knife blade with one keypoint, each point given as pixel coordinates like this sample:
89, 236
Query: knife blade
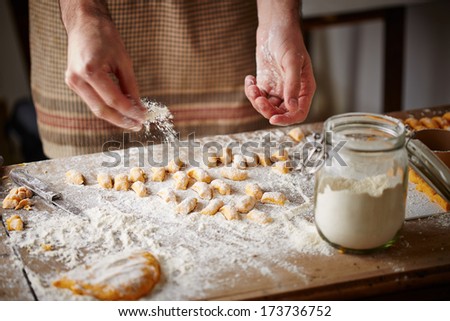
44, 190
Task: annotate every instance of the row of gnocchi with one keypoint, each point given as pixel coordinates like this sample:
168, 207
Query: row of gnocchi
232, 211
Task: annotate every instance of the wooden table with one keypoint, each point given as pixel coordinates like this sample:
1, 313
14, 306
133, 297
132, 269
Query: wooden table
418, 267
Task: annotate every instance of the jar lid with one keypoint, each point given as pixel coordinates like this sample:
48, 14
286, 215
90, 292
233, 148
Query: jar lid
425, 160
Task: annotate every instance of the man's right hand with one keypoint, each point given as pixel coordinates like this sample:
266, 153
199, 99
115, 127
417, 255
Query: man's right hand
99, 69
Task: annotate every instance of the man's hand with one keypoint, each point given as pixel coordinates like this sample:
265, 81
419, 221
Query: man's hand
284, 85
98, 68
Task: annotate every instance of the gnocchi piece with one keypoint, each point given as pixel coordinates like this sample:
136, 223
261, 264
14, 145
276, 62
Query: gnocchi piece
158, 174
199, 174
212, 159
121, 182
74, 177
282, 167
105, 180
221, 186
442, 122
254, 190
137, 174
187, 206
11, 202
234, 174
446, 116
264, 160
139, 188
251, 159
230, 212
203, 190
168, 195
226, 156
258, 216
239, 161
428, 122
181, 180
245, 203
213, 207
280, 155
14, 223
174, 165
296, 134
276, 198
25, 204
24, 192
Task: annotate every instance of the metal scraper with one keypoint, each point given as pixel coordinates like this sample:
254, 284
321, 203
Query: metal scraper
44, 190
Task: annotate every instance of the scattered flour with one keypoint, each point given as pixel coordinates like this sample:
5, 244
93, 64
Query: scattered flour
162, 119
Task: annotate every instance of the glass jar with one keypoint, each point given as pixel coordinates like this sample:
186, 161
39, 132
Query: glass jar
360, 190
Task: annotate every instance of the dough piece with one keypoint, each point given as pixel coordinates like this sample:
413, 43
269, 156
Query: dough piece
174, 165
442, 122
259, 217
280, 155
213, 207
121, 182
296, 134
412, 122
203, 190
74, 177
199, 174
14, 223
251, 159
25, 204
446, 116
18, 198
212, 159
137, 174
47, 247
230, 212
105, 180
239, 161
428, 122
124, 276
139, 188
23, 192
264, 159
234, 174
276, 198
245, 203
226, 156
187, 206
221, 186
11, 201
158, 174
181, 180
253, 189
282, 167
167, 195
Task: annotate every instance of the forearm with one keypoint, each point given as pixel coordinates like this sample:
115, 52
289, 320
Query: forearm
78, 12
279, 11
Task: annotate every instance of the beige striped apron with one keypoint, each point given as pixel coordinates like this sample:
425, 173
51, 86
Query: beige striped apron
190, 55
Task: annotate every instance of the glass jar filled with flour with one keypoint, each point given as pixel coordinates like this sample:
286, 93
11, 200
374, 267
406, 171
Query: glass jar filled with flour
360, 191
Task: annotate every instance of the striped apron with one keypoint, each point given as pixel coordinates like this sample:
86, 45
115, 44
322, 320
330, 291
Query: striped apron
190, 55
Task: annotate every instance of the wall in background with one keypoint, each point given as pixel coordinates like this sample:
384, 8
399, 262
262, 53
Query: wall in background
348, 62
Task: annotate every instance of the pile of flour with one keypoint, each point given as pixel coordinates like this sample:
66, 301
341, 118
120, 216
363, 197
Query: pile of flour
360, 214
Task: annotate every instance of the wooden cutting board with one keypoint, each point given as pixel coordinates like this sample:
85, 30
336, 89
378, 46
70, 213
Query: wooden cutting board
420, 258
